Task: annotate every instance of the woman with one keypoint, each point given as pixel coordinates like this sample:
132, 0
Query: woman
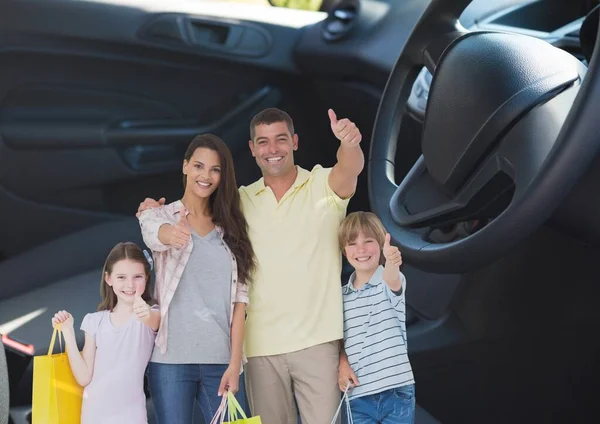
203, 261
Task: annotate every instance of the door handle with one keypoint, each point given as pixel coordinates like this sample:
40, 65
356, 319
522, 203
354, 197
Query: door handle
214, 35
210, 34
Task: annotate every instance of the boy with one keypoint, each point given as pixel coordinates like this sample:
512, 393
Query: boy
374, 360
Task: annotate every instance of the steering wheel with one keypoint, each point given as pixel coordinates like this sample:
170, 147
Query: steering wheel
511, 124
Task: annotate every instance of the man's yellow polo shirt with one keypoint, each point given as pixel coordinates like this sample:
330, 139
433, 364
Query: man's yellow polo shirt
296, 297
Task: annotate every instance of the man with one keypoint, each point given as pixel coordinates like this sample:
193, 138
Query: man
295, 318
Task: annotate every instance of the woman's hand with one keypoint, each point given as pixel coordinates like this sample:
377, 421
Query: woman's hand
230, 381
179, 233
65, 319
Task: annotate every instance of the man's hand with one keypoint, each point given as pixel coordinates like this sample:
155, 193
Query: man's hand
149, 203
345, 376
391, 253
230, 381
345, 130
140, 307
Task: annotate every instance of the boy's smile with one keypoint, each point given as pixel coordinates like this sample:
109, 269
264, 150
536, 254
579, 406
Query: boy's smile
363, 253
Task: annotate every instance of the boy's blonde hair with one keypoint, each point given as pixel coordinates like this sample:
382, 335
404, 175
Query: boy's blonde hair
368, 223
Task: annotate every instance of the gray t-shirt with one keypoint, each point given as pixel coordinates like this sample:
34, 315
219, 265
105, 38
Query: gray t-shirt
200, 309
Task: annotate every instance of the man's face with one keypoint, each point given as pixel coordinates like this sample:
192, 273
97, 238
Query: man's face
273, 147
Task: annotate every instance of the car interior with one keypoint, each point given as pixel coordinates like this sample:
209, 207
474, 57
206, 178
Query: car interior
480, 130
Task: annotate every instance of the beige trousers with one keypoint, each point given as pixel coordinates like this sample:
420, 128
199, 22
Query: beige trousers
309, 375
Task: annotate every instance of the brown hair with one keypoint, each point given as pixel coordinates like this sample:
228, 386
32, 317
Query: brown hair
122, 251
270, 116
225, 207
368, 223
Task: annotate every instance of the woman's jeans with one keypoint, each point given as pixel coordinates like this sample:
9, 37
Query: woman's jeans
178, 389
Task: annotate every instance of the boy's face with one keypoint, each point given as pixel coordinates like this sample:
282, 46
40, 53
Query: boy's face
363, 253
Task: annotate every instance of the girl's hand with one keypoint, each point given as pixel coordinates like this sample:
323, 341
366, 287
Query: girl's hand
345, 376
64, 318
140, 307
230, 381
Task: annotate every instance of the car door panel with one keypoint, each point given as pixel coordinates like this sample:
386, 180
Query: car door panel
98, 101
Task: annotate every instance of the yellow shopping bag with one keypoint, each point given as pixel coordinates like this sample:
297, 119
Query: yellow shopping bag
56, 394
230, 407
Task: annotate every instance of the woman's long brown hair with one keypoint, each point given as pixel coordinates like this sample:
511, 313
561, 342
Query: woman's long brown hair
225, 206
121, 251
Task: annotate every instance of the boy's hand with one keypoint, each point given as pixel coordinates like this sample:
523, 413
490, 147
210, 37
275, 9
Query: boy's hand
391, 253
65, 319
140, 307
230, 381
345, 376
180, 232
149, 203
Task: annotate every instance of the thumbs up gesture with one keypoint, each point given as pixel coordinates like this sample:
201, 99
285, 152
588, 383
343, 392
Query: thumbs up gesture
345, 130
180, 232
140, 308
391, 253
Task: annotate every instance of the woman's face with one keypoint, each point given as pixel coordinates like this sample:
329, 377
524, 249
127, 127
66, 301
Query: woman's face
203, 172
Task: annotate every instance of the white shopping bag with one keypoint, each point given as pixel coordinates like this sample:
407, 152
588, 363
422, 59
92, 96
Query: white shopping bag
345, 402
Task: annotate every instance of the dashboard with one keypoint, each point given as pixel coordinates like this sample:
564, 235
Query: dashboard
363, 50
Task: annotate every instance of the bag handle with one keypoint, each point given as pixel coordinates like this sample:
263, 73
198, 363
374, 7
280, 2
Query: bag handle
233, 407
57, 329
339, 408
219, 416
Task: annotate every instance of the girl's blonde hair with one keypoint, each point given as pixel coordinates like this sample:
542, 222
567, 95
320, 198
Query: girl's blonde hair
121, 251
368, 223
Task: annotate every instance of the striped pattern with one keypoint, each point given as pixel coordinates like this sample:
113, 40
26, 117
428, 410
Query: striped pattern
375, 335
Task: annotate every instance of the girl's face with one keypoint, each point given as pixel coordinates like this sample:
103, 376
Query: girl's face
203, 172
363, 253
124, 277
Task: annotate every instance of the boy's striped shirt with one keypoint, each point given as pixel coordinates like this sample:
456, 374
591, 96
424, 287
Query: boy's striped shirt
375, 335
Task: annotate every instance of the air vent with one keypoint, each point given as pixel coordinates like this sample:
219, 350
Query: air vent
342, 18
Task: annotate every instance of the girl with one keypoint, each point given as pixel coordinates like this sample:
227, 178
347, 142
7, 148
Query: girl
374, 359
204, 260
118, 341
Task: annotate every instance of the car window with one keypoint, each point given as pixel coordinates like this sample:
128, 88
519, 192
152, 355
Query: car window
313, 5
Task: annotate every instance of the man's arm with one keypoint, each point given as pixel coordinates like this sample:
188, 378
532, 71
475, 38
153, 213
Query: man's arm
350, 157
